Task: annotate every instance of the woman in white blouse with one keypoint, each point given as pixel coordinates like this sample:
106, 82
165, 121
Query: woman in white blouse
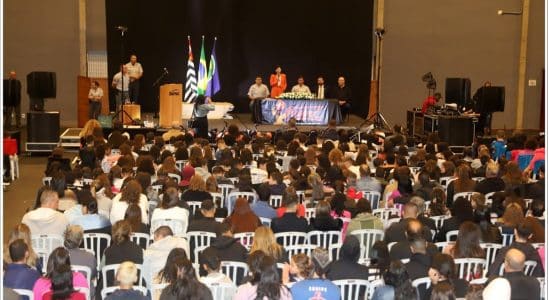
95, 96
169, 210
131, 193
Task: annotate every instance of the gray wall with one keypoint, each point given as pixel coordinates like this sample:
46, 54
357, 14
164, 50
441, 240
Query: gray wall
43, 36
458, 38
96, 19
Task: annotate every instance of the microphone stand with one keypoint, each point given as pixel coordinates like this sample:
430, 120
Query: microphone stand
156, 84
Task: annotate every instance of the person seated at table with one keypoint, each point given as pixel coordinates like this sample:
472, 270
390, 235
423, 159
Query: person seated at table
300, 87
343, 94
257, 91
431, 101
322, 91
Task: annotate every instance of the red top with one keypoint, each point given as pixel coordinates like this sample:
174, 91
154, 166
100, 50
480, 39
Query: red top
430, 101
73, 296
300, 211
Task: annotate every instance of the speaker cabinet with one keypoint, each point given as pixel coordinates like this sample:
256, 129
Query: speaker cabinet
43, 127
457, 90
41, 84
457, 131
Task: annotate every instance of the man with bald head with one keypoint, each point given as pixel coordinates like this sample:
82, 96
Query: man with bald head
46, 219
402, 249
12, 100
522, 286
396, 231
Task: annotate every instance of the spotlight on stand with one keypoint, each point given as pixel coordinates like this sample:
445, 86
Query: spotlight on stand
430, 82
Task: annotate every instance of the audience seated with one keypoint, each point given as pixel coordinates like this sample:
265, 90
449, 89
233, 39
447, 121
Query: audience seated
156, 253
467, 244
207, 221
90, 218
121, 247
74, 235
169, 210
419, 262
133, 216
347, 266
402, 249
17, 274
46, 219
316, 284
323, 221
126, 276
225, 246
185, 284
60, 281
264, 283
397, 284
290, 221
264, 240
443, 269
396, 231
262, 208
461, 212
131, 194
492, 182
521, 285
242, 219
498, 289
22, 231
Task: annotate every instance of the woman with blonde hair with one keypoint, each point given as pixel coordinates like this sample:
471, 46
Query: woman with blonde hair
22, 231
299, 268
89, 128
265, 241
196, 190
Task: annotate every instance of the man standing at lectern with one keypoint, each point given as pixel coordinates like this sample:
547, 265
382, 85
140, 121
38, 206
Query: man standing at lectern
121, 91
12, 100
135, 71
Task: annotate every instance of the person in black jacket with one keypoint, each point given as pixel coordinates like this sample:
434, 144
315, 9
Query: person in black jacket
461, 211
522, 286
323, 220
347, 266
522, 233
122, 248
396, 231
402, 249
289, 221
207, 222
419, 263
492, 182
225, 246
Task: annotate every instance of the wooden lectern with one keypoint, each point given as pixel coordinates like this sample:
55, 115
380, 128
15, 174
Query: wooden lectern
171, 98
133, 110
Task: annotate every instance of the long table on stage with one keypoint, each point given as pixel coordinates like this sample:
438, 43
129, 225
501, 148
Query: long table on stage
309, 112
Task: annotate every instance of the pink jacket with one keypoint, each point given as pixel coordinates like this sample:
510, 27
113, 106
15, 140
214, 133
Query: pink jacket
345, 214
43, 285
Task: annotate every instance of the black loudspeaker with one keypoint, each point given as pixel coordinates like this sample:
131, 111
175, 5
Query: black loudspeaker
43, 127
457, 90
41, 85
456, 131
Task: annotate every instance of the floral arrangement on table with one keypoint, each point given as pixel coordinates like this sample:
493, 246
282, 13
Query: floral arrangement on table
296, 96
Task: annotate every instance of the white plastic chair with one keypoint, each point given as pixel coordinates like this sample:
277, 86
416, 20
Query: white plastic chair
47, 242
302, 196
233, 196
482, 280
245, 238
180, 164
275, 201
537, 245
96, 243
374, 198
491, 251
367, 238
200, 238
177, 177
385, 213
24, 292
451, 236
141, 239
297, 249
177, 226
218, 198
468, 267
46, 180
84, 270
291, 238
233, 269
465, 195
390, 245
542, 282
335, 250
422, 281
194, 206
266, 221
309, 212
507, 238
323, 238
530, 266
445, 181
442, 245
354, 289
389, 222
478, 179
439, 220
222, 290
109, 290
197, 251
225, 190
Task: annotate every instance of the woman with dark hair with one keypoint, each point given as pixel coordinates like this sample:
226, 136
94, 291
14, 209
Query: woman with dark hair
467, 244
169, 273
121, 247
463, 183
339, 212
186, 285
101, 189
438, 206
489, 232
264, 283
146, 164
323, 221
397, 284
131, 194
60, 282
133, 216
447, 169
242, 218
90, 218
462, 211
443, 270
202, 105
169, 208
443, 291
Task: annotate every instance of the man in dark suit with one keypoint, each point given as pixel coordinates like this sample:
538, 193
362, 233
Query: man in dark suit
396, 231
343, 94
289, 221
402, 249
522, 286
321, 90
12, 100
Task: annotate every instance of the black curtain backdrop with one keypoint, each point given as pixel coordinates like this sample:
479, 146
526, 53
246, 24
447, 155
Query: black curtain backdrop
306, 38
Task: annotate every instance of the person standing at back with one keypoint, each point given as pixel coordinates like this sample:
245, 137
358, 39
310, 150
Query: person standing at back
12, 100
135, 72
278, 82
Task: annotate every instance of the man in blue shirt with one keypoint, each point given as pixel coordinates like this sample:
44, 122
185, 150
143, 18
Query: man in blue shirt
317, 287
262, 208
18, 274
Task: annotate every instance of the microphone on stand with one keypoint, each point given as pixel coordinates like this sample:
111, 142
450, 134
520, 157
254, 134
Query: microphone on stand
166, 71
122, 28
